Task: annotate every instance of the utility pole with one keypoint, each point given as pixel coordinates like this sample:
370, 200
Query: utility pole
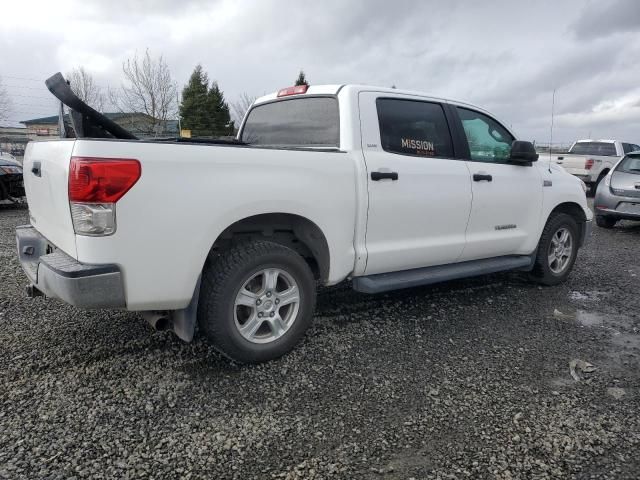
178, 103
553, 104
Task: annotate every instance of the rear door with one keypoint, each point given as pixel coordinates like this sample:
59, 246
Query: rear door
46, 182
419, 193
507, 198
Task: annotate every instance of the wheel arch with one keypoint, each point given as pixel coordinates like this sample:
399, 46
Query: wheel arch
294, 231
577, 212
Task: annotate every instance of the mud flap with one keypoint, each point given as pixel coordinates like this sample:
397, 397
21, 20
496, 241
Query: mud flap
184, 320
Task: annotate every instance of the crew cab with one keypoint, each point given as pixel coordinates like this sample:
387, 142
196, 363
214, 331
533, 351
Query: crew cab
388, 188
591, 160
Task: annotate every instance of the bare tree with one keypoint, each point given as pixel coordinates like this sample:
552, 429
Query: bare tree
148, 88
5, 103
241, 106
84, 86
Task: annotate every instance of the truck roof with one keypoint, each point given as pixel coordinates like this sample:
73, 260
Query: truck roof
356, 88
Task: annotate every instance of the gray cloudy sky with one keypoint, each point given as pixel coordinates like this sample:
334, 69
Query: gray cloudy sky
506, 56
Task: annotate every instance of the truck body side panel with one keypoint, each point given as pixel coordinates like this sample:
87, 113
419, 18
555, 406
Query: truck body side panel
189, 194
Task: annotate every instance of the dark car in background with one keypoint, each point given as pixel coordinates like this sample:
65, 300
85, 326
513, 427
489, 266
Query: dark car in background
618, 196
11, 185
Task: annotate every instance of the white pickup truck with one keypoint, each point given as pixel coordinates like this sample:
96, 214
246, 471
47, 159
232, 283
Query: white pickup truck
591, 160
388, 188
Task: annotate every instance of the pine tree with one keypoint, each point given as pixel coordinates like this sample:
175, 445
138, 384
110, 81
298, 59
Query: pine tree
222, 124
195, 115
203, 109
302, 80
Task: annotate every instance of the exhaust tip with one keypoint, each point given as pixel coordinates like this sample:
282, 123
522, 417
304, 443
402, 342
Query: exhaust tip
158, 320
162, 324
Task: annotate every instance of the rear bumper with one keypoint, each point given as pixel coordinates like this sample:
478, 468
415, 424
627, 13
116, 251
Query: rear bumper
608, 204
59, 276
606, 212
583, 175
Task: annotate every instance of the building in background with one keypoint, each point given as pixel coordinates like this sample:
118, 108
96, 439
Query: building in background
140, 124
13, 140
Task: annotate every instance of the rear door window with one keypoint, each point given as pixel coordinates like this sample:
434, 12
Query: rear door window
417, 128
488, 140
299, 122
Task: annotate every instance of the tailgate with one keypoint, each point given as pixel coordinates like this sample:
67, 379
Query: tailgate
46, 180
571, 162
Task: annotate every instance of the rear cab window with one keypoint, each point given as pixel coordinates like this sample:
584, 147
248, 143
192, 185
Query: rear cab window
603, 149
312, 122
413, 127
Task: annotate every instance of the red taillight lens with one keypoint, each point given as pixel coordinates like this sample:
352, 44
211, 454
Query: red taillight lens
298, 89
101, 180
589, 163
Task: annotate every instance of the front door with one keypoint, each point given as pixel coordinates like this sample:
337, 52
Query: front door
507, 198
419, 194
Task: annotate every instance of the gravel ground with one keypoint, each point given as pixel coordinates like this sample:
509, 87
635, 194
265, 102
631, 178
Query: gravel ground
466, 379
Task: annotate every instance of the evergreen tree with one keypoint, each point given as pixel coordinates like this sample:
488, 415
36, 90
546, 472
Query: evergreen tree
194, 112
203, 109
302, 80
222, 124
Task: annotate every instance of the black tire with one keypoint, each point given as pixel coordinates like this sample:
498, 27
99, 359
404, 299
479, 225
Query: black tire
222, 279
594, 186
605, 222
4, 191
542, 272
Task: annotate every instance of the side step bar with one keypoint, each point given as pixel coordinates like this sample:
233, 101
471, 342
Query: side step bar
384, 282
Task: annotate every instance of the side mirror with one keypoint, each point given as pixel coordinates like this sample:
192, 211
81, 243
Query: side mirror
523, 153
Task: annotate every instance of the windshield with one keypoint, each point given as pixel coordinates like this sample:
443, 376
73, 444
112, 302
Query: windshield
629, 164
299, 122
605, 149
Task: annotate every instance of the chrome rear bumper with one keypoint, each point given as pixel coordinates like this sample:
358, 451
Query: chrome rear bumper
57, 275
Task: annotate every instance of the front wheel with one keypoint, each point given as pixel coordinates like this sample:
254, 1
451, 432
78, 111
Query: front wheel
557, 250
256, 301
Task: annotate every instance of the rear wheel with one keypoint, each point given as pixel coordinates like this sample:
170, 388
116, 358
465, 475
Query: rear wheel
557, 250
605, 222
256, 301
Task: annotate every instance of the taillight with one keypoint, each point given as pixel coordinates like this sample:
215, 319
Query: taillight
101, 180
589, 163
297, 90
95, 185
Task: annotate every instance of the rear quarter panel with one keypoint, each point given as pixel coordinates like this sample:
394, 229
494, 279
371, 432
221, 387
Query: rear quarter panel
188, 194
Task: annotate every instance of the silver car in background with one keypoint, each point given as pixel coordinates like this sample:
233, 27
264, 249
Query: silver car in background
618, 196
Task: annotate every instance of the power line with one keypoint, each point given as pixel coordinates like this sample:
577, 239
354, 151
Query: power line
21, 78
7, 85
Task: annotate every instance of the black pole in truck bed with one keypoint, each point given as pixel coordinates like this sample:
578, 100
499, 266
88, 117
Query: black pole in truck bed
87, 122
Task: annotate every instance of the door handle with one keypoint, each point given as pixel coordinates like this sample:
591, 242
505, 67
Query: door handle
376, 176
479, 177
35, 169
